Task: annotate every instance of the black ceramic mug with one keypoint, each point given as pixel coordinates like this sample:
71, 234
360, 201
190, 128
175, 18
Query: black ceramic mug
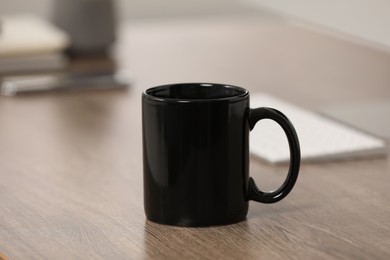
196, 154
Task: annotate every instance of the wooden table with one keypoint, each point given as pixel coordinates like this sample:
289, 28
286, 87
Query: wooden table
71, 163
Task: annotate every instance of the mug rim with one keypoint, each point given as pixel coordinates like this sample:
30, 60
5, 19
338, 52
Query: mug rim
242, 95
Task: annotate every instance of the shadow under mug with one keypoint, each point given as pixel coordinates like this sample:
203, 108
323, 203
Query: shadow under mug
196, 154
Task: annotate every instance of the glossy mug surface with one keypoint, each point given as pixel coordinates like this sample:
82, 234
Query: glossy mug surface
196, 154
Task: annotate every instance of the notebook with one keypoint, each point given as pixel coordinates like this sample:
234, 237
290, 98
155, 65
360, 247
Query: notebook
30, 44
23, 35
321, 138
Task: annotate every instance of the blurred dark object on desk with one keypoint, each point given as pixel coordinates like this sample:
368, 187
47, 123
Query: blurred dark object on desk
90, 24
92, 64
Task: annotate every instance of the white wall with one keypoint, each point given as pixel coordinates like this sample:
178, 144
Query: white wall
365, 19
140, 9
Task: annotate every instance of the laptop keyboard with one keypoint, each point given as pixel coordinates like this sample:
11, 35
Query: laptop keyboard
321, 138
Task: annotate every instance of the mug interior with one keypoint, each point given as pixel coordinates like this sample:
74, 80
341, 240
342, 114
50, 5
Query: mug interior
196, 91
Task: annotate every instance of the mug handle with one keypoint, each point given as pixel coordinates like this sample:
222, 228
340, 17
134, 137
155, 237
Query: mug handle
254, 193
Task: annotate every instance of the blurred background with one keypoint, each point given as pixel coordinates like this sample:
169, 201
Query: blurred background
321, 44
361, 20
324, 45
141, 9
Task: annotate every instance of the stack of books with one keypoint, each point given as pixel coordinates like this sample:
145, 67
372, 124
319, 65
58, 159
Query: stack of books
31, 44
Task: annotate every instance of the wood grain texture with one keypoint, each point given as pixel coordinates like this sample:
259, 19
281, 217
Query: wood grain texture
71, 163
